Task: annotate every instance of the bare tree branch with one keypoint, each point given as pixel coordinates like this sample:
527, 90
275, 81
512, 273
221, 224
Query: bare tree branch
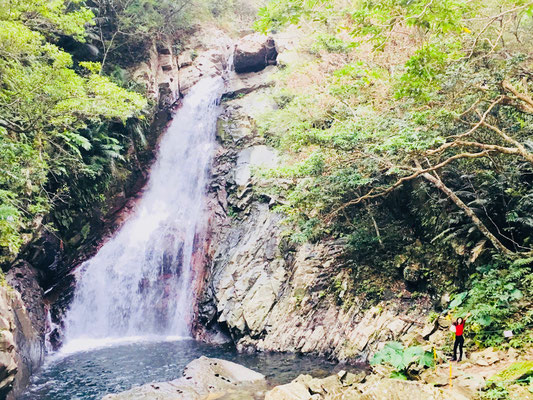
417, 172
439, 184
528, 106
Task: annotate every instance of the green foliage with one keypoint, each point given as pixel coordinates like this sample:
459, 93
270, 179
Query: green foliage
52, 16
331, 43
367, 125
496, 392
277, 13
443, 17
495, 299
422, 77
501, 386
400, 358
125, 28
51, 117
516, 371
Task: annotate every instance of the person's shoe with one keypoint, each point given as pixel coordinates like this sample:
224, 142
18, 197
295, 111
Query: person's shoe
453, 359
460, 360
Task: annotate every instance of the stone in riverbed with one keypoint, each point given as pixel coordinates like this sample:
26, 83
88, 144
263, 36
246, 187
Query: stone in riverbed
305, 387
203, 378
486, 357
337, 387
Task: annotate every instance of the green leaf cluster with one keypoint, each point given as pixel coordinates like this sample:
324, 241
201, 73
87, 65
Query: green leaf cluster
401, 358
497, 299
51, 115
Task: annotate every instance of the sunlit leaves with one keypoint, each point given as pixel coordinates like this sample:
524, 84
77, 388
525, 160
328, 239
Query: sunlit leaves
400, 358
277, 13
47, 111
69, 17
424, 70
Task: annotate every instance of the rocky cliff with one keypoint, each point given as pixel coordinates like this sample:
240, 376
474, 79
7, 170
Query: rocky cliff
263, 291
22, 328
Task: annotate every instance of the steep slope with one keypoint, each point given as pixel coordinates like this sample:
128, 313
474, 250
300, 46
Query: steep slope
264, 291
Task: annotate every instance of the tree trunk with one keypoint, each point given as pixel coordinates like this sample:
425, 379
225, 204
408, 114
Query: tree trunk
376, 227
468, 211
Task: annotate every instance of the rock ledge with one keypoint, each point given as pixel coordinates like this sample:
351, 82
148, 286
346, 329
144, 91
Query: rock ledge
202, 377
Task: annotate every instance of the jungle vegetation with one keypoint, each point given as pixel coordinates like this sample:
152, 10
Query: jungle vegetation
407, 131
72, 121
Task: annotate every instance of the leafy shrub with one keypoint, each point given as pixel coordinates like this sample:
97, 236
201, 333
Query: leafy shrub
331, 43
55, 116
495, 300
400, 358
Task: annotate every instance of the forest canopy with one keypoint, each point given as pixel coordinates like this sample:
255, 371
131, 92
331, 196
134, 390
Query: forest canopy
430, 92
406, 130
52, 111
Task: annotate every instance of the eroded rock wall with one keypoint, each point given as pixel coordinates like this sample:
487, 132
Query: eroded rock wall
264, 292
22, 327
169, 73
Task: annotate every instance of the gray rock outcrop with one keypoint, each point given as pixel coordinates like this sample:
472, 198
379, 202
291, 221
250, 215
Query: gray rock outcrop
254, 52
348, 386
201, 378
263, 290
168, 75
22, 327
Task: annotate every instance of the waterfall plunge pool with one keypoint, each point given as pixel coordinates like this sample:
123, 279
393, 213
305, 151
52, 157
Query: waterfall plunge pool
94, 373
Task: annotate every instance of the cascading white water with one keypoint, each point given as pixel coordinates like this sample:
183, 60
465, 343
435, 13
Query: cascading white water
138, 284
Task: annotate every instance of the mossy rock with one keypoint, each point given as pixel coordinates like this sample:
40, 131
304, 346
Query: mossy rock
515, 371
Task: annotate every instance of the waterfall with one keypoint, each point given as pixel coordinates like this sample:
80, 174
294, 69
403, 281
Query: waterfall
139, 284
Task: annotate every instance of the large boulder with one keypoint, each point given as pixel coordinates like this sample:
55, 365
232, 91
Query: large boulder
202, 378
254, 52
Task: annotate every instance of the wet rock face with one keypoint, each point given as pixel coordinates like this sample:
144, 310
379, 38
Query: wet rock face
263, 291
203, 378
24, 279
254, 52
21, 329
272, 298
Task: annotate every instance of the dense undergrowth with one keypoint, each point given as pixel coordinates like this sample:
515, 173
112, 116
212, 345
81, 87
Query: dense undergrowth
73, 123
408, 132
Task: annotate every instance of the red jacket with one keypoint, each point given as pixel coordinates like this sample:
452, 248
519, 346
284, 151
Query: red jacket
459, 329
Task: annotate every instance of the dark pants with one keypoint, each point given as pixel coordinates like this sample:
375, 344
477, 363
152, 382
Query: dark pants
459, 341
